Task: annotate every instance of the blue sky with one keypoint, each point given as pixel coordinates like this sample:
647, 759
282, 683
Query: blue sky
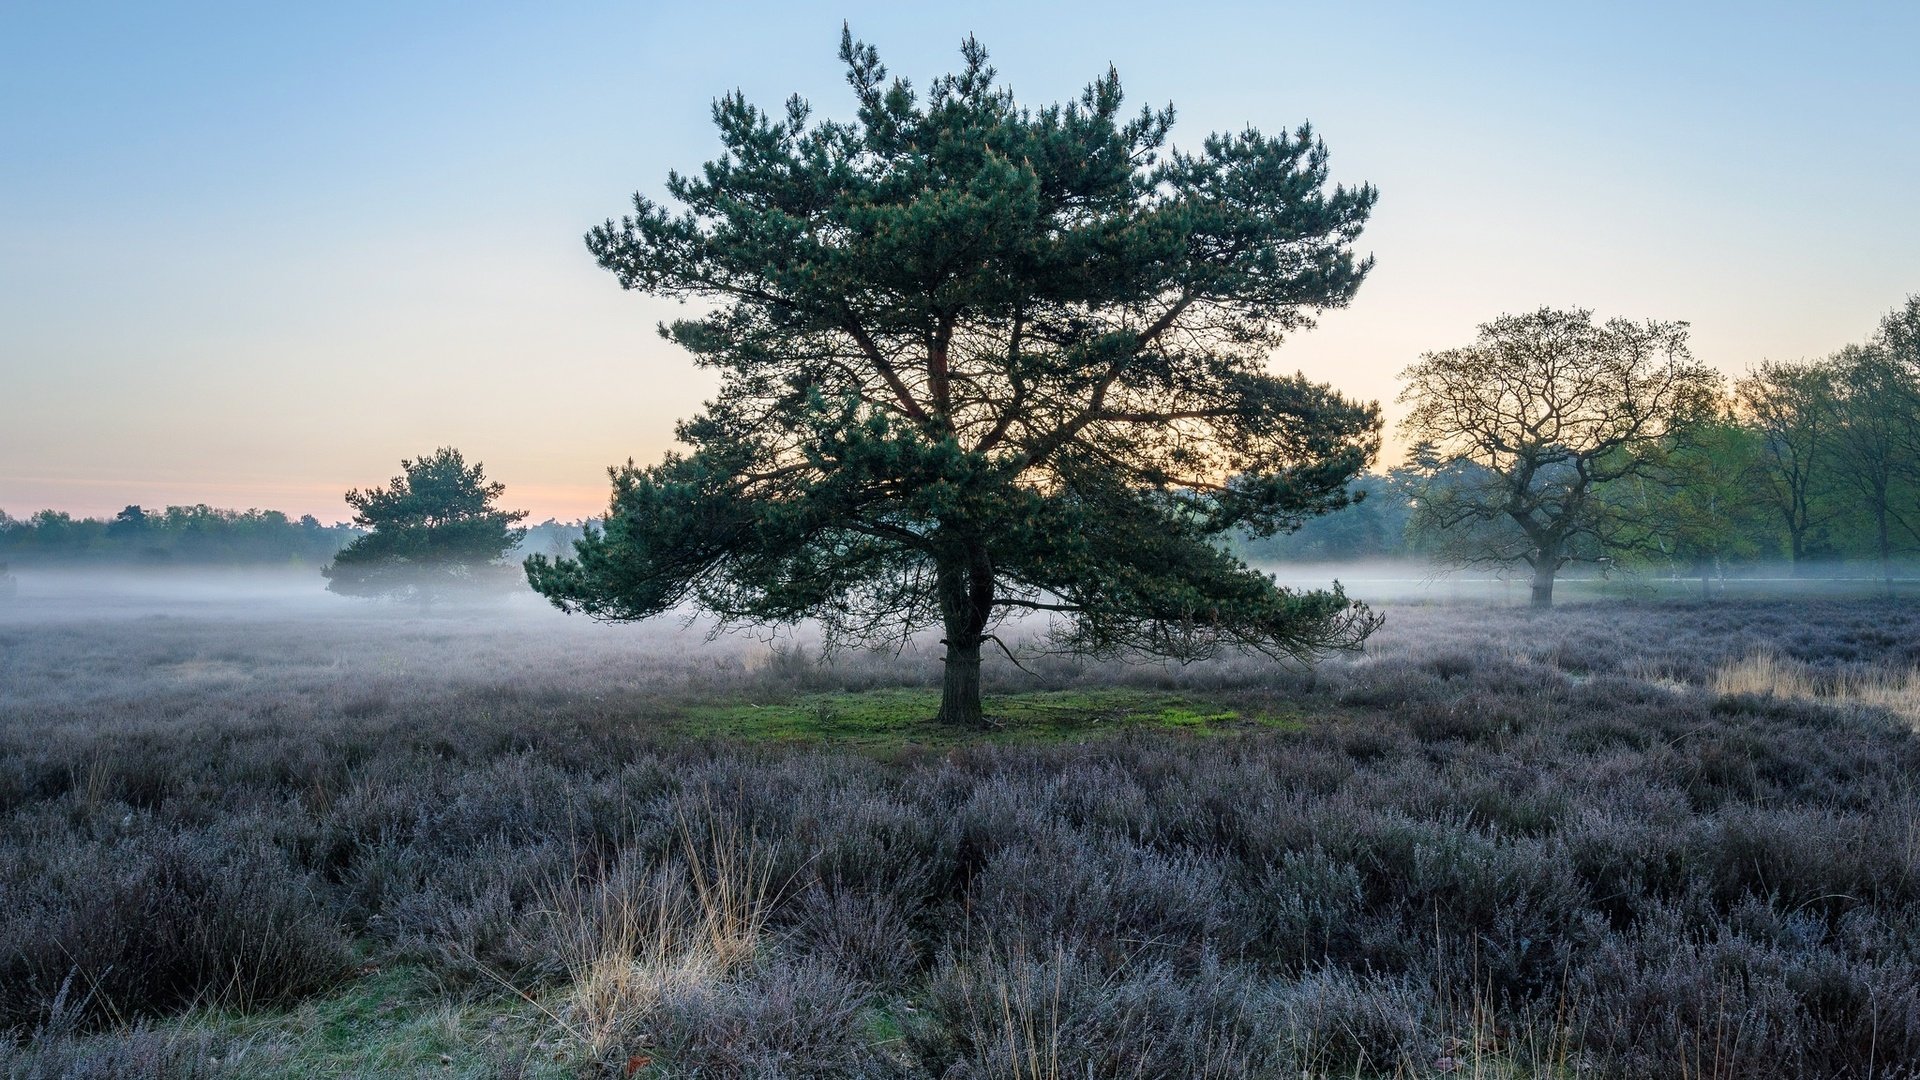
255, 254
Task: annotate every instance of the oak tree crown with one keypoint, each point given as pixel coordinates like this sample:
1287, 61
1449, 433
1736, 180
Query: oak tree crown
1523, 433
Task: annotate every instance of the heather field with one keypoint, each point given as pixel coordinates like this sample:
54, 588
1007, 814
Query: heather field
249, 833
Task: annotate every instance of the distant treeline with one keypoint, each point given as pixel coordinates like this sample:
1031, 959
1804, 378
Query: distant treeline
552, 537
1375, 527
1814, 464
201, 536
1381, 526
197, 535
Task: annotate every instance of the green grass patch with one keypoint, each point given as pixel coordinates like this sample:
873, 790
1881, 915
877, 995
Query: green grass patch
885, 719
391, 1022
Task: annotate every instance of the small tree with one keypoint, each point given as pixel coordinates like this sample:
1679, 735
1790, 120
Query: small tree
130, 522
1522, 430
978, 358
434, 531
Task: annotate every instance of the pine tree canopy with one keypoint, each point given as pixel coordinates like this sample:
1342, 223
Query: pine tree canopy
435, 528
978, 358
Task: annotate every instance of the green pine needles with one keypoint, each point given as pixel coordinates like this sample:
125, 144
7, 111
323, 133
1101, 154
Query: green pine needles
435, 532
979, 359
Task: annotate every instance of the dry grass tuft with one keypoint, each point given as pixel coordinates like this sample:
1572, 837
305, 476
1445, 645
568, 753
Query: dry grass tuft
639, 935
1765, 674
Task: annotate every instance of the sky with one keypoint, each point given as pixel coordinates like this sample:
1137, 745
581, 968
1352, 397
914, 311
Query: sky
254, 254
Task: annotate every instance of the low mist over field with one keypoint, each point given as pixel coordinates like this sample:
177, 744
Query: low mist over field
52, 593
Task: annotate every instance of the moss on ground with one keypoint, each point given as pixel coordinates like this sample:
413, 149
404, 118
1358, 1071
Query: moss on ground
899, 718
392, 1022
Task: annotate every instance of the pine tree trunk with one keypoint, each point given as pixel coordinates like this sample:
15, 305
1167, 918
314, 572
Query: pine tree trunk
965, 579
960, 687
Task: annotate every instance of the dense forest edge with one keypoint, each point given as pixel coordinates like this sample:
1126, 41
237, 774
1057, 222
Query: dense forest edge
201, 536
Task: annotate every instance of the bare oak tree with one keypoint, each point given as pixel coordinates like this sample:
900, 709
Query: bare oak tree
1521, 432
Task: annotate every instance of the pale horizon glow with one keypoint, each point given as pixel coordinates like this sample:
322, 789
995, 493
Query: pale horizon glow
257, 254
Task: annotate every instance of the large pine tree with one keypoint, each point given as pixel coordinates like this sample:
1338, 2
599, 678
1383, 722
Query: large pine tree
978, 359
